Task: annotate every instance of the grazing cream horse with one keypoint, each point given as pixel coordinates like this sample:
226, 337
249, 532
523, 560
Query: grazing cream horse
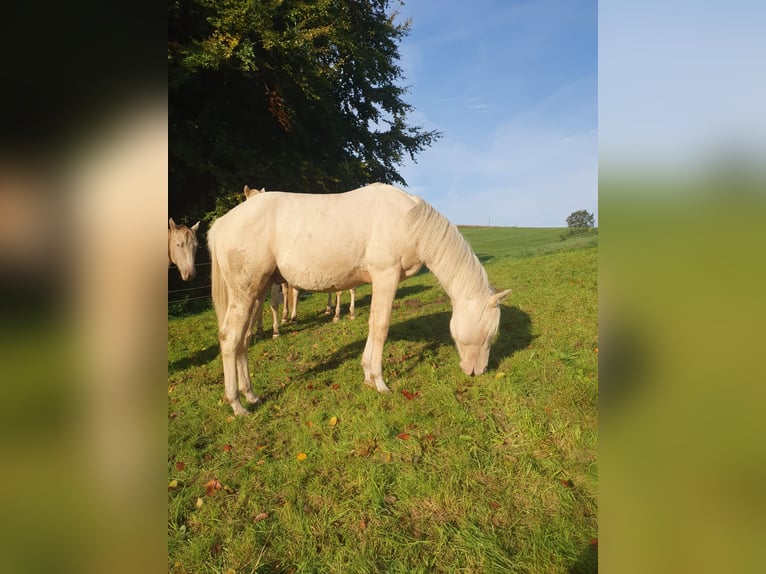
387, 236
182, 248
351, 307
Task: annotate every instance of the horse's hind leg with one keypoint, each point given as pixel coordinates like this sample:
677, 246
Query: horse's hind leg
232, 336
243, 378
352, 306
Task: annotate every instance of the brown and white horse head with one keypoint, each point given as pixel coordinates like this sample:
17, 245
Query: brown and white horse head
252, 192
182, 248
473, 326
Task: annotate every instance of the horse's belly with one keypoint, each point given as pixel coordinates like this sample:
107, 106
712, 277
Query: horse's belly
315, 278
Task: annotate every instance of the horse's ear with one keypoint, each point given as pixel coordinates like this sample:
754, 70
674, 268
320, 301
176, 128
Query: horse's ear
495, 299
263, 190
246, 191
172, 224
195, 227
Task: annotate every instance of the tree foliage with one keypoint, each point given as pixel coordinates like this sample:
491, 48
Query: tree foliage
299, 95
580, 219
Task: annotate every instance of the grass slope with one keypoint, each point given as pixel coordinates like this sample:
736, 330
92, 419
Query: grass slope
446, 473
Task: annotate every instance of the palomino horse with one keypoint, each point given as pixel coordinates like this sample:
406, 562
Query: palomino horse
351, 307
182, 247
387, 236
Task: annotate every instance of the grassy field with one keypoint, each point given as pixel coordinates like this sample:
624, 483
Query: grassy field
496, 473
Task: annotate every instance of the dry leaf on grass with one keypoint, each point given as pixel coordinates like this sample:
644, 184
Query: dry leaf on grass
211, 486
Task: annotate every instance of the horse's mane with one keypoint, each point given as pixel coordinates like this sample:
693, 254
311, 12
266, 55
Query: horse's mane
446, 252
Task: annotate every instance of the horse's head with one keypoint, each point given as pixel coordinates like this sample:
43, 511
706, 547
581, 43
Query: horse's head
182, 248
473, 326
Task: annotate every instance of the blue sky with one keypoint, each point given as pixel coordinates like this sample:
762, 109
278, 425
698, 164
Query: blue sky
512, 85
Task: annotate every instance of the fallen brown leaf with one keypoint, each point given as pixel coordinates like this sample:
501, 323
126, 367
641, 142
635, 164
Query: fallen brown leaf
211, 486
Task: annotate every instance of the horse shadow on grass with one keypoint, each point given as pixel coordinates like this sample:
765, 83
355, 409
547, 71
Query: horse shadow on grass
201, 357
514, 334
587, 562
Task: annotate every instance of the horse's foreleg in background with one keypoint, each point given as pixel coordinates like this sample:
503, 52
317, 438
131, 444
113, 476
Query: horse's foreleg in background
258, 320
276, 293
286, 301
351, 307
336, 318
293, 304
383, 291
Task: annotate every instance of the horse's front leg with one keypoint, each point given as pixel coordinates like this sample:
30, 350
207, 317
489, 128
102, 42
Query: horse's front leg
351, 307
383, 292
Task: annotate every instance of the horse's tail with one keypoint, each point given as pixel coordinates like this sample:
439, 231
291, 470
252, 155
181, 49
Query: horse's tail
219, 289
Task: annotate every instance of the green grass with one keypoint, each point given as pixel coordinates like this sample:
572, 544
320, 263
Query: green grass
496, 473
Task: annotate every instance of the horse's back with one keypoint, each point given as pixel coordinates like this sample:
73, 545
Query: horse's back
323, 241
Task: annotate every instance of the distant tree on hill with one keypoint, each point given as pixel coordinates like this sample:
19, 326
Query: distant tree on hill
578, 223
580, 219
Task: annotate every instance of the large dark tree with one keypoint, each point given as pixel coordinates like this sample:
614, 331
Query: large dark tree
299, 95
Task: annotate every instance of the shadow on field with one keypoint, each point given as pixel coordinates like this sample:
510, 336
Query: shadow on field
514, 334
587, 563
201, 357
484, 258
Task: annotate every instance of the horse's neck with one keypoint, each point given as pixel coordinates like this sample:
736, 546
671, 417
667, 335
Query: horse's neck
455, 266
461, 281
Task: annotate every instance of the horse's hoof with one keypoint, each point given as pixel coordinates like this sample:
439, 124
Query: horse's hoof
275, 335
239, 410
335, 319
351, 317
